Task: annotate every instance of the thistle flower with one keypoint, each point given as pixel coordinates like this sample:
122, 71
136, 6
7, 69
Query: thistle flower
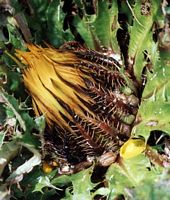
88, 99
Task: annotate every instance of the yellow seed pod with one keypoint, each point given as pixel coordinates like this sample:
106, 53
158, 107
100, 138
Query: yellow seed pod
132, 148
47, 168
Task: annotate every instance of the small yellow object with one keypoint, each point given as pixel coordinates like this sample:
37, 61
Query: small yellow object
132, 148
47, 168
55, 164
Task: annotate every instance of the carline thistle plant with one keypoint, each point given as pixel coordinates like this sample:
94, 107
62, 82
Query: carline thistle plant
89, 100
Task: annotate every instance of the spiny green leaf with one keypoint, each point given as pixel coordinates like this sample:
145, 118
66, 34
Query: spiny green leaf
61, 180
154, 110
10, 80
154, 115
25, 121
128, 174
43, 181
141, 35
100, 29
14, 35
106, 24
55, 19
83, 27
81, 185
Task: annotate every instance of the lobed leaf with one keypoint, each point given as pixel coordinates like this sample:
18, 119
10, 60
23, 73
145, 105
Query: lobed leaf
154, 111
100, 29
141, 34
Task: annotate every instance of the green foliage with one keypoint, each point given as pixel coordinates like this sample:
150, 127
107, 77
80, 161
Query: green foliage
141, 36
100, 29
55, 19
81, 185
131, 173
25, 121
154, 110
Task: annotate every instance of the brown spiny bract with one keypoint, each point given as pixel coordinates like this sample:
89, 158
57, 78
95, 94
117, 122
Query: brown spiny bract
88, 99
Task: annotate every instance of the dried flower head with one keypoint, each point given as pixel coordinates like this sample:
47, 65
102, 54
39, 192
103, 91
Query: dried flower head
88, 99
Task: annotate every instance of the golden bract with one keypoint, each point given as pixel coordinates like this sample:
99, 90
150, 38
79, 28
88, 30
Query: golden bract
50, 77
